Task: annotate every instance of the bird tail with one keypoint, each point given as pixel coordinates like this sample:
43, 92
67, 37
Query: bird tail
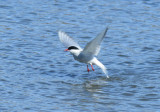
100, 65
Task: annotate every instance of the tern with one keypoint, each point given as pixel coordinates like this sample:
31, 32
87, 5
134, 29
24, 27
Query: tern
90, 51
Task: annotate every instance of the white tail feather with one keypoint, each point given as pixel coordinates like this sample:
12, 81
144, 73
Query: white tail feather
99, 64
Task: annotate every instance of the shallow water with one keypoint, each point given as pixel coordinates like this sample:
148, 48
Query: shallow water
36, 75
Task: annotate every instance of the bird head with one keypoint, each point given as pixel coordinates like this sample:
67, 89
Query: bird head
73, 50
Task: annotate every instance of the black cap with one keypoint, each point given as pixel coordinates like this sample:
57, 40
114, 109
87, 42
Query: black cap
72, 47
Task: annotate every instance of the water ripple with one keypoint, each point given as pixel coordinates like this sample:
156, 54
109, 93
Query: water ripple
37, 75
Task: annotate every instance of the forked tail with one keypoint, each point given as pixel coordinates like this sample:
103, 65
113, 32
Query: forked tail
99, 64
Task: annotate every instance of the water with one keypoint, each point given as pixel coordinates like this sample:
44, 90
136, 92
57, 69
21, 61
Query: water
36, 75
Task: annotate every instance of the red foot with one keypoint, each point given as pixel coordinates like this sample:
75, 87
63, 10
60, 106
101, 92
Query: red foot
92, 67
87, 69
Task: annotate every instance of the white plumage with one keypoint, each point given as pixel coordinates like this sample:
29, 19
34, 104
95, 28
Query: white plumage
86, 55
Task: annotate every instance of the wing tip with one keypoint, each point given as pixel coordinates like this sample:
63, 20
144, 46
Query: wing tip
106, 29
59, 31
61, 34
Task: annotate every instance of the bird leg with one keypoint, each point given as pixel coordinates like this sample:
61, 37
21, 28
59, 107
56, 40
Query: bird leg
92, 67
87, 69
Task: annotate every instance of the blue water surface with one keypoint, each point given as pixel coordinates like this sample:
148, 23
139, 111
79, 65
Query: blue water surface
36, 75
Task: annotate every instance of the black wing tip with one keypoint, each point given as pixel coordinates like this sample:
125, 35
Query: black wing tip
107, 28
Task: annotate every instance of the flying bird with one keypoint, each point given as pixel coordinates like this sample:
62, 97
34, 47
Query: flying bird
89, 53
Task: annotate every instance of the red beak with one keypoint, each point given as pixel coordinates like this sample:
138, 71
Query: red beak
66, 50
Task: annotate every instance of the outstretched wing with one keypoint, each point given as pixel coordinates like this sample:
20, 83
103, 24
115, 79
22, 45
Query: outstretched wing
93, 47
67, 41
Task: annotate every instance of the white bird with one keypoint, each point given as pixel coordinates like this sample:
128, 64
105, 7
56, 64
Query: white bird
86, 55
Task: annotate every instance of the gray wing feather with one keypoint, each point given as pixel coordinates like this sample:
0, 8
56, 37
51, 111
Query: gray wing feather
67, 40
93, 47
